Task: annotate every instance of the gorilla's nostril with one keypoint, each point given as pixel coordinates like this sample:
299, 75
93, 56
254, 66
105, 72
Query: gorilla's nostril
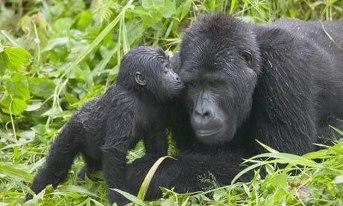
203, 113
206, 114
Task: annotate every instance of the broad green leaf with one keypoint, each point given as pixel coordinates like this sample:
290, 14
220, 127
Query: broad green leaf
140, 11
41, 87
53, 43
53, 112
338, 179
147, 4
34, 106
80, 74
149, 17
13, 106
4, 60
233, 6
185, 8
18, 58
107, 56
84, 19
280, 180
28, 134
135, 31
18, 87
168, 8
71, 99
63, 25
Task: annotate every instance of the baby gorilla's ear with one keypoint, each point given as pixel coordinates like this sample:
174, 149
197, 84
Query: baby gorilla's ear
140, 79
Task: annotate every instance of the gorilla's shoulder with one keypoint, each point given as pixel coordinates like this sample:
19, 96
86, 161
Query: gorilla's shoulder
270, 37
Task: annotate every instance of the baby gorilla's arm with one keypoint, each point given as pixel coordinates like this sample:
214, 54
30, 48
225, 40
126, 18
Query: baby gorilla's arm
119, 136
156, 144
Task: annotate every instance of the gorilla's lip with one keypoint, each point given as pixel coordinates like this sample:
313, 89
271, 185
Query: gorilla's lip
207, 133
179, 87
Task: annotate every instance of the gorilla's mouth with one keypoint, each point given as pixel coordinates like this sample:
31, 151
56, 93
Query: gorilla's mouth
177, 89
179, 86
207, 133
214, 136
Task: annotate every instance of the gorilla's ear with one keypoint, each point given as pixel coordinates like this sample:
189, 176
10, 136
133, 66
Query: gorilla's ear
247, 57
139, 78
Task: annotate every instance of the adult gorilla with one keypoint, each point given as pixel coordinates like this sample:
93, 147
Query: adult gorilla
279, 83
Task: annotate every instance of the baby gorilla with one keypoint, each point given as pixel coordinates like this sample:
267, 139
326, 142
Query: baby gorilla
104, 129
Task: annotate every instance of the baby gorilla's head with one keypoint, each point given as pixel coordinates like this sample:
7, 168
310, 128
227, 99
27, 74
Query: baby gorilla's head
148, 70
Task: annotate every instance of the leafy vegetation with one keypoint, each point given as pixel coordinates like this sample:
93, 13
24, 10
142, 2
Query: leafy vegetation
56, 55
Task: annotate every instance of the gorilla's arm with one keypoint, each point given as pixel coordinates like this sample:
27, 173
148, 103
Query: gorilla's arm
188, 172
114, 151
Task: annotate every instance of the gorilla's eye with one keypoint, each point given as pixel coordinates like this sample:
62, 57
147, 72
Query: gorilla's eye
190, 69
247, 57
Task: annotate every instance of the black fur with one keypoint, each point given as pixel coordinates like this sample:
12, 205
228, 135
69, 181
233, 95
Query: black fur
279, 83
104, 129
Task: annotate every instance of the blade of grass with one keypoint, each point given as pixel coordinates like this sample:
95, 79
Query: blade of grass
146, 182
295, 159
11, 171
130, 197
340, 132
269, 149
251, 167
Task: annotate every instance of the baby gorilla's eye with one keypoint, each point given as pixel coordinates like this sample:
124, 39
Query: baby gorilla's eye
247, 57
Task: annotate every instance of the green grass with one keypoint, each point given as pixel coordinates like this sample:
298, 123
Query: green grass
57, 55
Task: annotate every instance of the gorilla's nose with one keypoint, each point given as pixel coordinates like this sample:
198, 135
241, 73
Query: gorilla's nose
202, 113
178, 83
178, 80
202, 118
205, 120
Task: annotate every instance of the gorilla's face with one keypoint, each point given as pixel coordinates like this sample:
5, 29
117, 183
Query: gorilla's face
220, 76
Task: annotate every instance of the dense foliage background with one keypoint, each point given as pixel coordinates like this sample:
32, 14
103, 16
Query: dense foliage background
56, 55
